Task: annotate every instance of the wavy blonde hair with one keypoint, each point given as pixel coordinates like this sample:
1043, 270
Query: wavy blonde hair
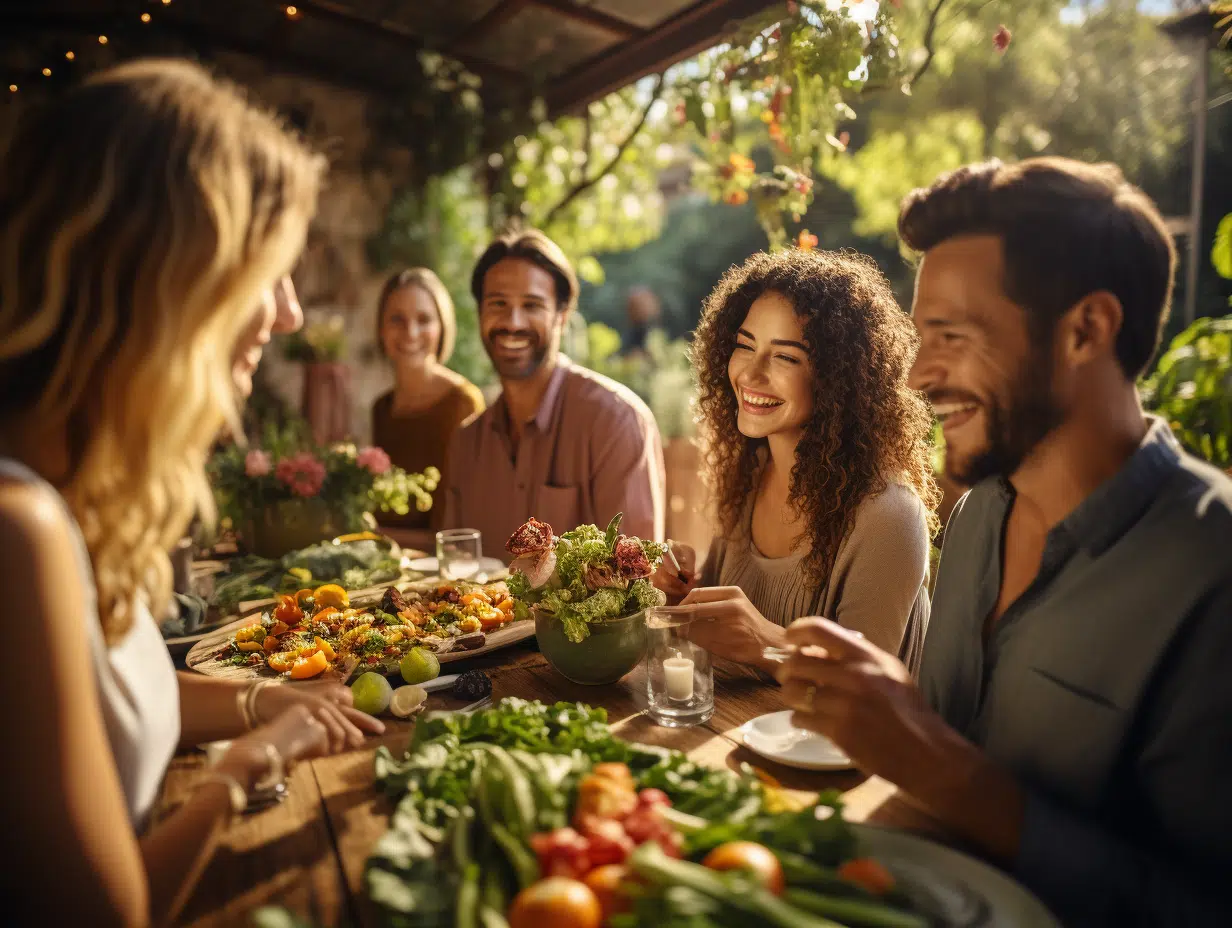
142, 215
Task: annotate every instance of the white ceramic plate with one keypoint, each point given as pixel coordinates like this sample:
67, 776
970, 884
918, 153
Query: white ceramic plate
955, 890
487, 565
775, 738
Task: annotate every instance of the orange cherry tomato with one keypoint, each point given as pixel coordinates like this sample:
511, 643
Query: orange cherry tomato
324, 648
331, 594
281, 661
606, 883
556, 902
271, 643
301, 595
748, 855
279, 628
288, 611
322, 614
869, 873
309, 666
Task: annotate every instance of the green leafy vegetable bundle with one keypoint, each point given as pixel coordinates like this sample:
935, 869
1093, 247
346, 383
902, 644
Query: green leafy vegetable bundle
583, 576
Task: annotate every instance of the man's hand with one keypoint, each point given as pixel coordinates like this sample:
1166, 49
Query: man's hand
727, 625
865, 701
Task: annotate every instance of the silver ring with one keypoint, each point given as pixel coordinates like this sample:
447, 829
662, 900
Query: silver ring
810, 693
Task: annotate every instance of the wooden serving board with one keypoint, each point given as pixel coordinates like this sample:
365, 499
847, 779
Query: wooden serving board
201, 656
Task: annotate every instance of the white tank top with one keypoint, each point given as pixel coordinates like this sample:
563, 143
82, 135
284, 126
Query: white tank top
137, 688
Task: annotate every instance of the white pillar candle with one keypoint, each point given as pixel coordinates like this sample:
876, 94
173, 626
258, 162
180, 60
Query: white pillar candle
678, 677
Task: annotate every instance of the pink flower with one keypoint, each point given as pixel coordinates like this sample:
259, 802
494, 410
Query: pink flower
302, 473
375, 459
256, 463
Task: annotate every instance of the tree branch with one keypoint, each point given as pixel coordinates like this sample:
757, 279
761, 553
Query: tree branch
929, 35
587, 183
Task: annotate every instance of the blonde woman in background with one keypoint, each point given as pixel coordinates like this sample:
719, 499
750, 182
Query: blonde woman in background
145, 218
414, 422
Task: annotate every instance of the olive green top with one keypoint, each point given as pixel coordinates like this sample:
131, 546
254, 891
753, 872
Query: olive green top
421, 439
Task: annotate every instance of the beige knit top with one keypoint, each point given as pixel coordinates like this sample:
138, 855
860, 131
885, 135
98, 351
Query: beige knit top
878, 585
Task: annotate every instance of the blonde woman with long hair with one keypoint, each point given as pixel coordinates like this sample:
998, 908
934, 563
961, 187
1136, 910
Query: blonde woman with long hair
146, 218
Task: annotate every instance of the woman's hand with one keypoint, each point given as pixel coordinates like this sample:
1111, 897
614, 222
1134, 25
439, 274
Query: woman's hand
727, 625
666, 580
328, 703
296, 734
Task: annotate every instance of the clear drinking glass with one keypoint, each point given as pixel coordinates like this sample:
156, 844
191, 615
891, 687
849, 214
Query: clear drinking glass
679, 676
458, 551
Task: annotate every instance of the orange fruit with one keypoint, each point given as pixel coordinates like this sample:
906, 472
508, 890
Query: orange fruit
310, 666
331, 594
755, 858
302, 595
325, 649
281, 662
606, 883
556, 902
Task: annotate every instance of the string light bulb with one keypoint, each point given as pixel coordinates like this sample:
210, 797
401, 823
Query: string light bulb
102, 40
292, 12
166, 2
69, 55
12, 88
145, 17
46, 72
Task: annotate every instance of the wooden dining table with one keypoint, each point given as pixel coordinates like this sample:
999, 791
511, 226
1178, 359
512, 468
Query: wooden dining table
307, 853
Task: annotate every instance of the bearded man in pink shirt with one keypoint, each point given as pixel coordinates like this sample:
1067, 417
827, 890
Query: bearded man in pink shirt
561, 443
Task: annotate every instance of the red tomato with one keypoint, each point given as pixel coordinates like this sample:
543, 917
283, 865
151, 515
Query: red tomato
869, 873
644, 824
747, 855
556, 903
607, 885
562, 853
653, 797
609, 842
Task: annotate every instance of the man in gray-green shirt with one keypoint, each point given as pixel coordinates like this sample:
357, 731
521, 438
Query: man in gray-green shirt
1073, 716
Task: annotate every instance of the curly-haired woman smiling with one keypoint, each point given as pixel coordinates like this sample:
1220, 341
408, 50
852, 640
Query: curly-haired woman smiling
817, 458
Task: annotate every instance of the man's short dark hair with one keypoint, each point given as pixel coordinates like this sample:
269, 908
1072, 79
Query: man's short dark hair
1067, 229
533, 246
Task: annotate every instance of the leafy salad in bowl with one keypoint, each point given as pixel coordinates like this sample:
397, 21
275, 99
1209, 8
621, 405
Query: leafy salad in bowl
583, 577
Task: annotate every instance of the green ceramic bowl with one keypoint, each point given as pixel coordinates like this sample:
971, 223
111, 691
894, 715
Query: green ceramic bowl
612, 650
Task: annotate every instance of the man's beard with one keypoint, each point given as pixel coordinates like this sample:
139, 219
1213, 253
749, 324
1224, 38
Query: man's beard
509, 368
1016, 427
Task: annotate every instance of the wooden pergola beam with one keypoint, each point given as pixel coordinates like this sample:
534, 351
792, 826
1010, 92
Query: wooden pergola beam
589, 16
696, 29
488, 23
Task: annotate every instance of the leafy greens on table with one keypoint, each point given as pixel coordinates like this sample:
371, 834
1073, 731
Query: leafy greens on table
585, 575
473, 788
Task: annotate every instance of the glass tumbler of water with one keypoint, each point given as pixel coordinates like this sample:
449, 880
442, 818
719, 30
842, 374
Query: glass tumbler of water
679, 677
457, 553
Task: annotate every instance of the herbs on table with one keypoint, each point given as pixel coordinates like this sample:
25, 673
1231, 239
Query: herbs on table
585, 575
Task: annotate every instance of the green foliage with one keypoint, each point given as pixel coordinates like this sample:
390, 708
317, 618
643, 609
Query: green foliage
896, 161
1192, 389
661, 375
1221, 251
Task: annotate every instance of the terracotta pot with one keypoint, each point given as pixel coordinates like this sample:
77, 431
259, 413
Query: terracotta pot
289, 525
327, 401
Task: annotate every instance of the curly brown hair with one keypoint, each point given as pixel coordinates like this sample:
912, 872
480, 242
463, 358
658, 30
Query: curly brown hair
867, 426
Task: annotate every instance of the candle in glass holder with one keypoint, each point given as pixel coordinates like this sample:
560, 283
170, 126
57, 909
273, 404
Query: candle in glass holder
678, 677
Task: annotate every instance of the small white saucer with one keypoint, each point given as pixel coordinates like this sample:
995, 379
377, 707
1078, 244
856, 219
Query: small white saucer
774, 737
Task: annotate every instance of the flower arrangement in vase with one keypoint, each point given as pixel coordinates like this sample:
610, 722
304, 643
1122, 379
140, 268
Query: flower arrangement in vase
287, 493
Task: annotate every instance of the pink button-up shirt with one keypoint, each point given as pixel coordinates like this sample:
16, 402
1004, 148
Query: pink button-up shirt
592, 450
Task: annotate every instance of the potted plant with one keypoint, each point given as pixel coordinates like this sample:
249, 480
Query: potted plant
320, 345
1191, 388
287, 493
588, 591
